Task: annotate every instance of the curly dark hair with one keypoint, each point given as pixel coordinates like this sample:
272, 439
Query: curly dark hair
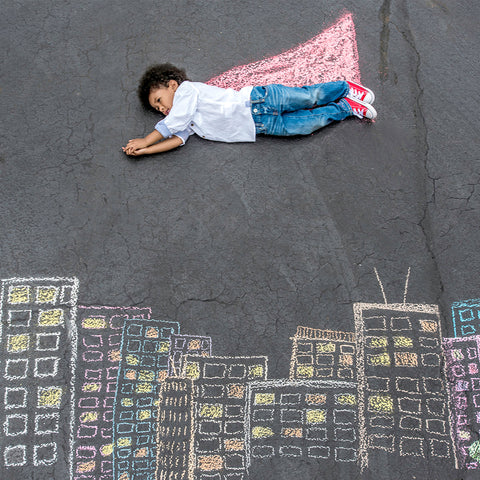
158, 76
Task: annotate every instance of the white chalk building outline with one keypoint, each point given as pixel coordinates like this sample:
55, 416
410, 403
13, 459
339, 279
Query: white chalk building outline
37, 362
401, 385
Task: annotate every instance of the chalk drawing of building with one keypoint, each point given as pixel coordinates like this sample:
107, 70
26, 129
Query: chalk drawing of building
37, 362
322, 354
182, 345
466, 318
142, 368
220, 385
99, 338
403, 401
462, 357
302, 419
175, 430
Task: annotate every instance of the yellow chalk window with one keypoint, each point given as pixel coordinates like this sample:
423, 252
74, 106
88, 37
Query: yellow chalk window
89, 417
49, 397
325, 347
106, 450
50, 318
144, 388
255, 371
316, 416
377, 342
211, 411
94, 322
380, 359
146, 375
305, 371
18, 343
20, 294
46, 294
404, 342
192, 370
164, 347
380, 404
347, 399
262, 432
124, 441
264, 398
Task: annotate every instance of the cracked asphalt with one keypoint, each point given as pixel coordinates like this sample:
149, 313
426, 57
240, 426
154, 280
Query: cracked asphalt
242, 242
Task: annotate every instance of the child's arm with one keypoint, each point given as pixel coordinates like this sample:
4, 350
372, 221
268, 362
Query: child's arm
168, 144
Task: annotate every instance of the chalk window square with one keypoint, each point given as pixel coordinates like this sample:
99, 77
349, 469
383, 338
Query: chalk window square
87, 431
93, 374
134, 330
410, 423
46, 294
305, 359
344, 435
316, 433
462, 419
124, 465
143, 402
67, 295
263, 451
212, 391
378, 384
236, 371
466, 315
127, 415
106, 432
345, 454
318, 452
210, 427
106, 466
46, 424
475, 383
385, 423
108, 402
406, 359
410, 405
140, 465
344, 417
18, 343
124, 428
143, 427
289, 451
468, 330
51, 318
462, 385
148, 361
19, 318
112, 373
46, 367
375, 323
324, 372
162, 362
234, 462
166, 332
16, 369
290, 415
179, 343
88, 402
263, 414
214, 370
234, 410
345, 373
205, 445
86, 452
439, 448
133, 345
382, 442
45, 454
114, 339
476, 400
143, 439
324, 359
408, 385
290, 399
127, 388
15, 455
412, 446
19, 294
432, 385
108, 416
430, 359
436, 406
15, 397
111, 387
436, 426
400, 324
427, 342
233, 476
304, 347
150, 346
47, 342
15, 425
92, 341
472, 353
234, 428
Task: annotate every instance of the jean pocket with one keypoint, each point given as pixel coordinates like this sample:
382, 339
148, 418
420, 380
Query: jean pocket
258, 95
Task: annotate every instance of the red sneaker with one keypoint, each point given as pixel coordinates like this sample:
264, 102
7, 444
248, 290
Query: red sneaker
361, 109
359, 92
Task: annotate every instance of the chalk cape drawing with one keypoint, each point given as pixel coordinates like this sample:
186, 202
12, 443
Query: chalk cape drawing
331, 55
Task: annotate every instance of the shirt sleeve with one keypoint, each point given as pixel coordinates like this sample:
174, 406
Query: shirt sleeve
184, 106
184, 134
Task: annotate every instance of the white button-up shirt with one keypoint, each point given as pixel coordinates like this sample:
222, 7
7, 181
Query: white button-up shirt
214, 113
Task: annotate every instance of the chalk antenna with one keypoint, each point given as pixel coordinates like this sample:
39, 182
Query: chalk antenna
406, 287
381, 286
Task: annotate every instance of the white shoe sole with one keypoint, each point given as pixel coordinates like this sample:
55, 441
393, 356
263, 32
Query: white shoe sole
371, 112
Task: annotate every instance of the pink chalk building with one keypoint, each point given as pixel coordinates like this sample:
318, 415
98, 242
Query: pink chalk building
462, 356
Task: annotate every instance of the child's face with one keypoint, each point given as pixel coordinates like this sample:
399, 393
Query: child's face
161, 98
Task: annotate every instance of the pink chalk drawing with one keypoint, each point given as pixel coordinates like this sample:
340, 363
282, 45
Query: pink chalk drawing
329, 56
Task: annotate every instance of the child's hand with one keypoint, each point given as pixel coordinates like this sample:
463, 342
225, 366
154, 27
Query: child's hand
134, 153
134, 145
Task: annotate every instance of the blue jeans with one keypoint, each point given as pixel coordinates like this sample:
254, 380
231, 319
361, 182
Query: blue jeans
280, 110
